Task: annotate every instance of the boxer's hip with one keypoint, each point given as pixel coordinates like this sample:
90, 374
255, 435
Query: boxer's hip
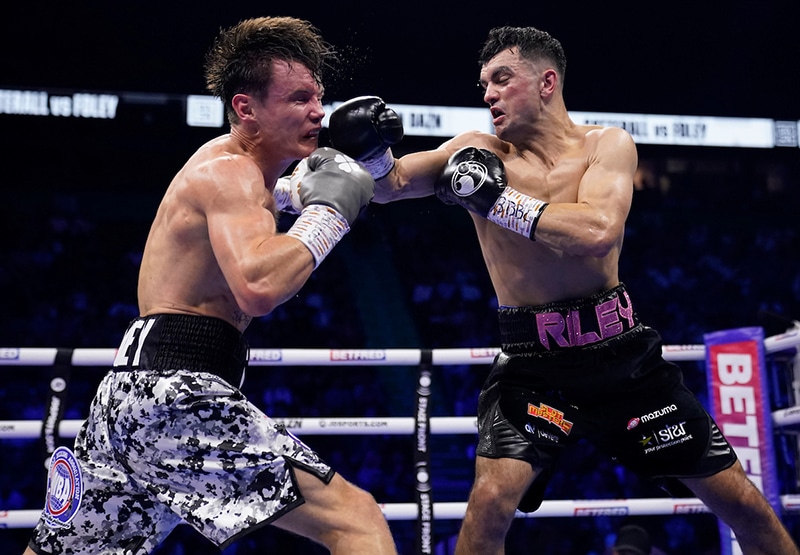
164, 342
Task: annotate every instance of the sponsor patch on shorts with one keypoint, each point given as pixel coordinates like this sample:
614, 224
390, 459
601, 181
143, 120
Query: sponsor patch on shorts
64, 488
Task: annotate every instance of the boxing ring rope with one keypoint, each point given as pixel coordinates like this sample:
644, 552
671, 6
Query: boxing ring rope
11, 357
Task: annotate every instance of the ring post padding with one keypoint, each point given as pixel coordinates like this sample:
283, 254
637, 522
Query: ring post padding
422, 458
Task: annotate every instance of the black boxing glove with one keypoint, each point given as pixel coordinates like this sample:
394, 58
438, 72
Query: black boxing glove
475, 178
365, 129
332, 189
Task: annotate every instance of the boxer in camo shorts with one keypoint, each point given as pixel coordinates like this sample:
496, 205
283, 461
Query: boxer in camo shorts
163, 446
169, 435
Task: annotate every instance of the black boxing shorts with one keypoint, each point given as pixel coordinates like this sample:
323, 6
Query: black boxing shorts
170, 439
588, 369
184, 342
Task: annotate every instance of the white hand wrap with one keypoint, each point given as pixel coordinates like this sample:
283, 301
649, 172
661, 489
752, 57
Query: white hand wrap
287, 189
381, 166
283, 196
518, 212
319, 228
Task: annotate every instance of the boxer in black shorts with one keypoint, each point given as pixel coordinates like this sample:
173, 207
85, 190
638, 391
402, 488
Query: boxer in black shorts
549, 199
555, 383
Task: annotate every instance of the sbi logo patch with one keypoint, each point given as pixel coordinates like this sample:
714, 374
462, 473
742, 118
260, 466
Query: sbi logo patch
468, 178
64, 488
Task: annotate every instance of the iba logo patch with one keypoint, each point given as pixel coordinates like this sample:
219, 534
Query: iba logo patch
64, 488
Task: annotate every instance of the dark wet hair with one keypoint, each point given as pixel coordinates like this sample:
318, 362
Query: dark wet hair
533, 44
240, 59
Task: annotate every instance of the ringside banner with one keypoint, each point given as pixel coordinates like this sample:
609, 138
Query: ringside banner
687, 130
739, 400
418, 120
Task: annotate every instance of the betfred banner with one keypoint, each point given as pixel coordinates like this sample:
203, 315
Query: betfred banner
739, 399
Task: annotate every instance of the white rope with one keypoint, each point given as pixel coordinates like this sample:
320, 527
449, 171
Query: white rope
789, 416
549, 509
82, 356
30, 429
783, 341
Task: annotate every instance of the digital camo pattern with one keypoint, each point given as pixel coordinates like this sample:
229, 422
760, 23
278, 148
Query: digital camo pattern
159, 448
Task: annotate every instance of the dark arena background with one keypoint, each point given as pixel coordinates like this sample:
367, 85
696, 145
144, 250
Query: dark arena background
96, 118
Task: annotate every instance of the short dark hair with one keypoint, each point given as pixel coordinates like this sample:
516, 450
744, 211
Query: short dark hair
534, 44
240, 59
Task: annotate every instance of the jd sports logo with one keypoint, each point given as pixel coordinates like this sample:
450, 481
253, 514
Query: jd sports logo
468, 178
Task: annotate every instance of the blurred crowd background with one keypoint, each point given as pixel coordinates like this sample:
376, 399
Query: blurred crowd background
712, 240
711, 244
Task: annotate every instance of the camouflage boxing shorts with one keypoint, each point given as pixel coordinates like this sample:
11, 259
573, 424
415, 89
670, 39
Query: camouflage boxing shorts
162, 446
588, 369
